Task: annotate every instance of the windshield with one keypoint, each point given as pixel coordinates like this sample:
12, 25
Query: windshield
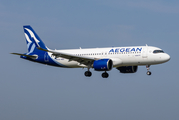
158, 51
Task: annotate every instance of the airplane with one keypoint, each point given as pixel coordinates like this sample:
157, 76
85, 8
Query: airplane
124, 59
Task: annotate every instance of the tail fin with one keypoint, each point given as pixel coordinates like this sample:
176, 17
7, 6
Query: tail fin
31, 38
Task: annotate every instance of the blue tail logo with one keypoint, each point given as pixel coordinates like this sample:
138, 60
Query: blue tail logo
29, 35
37, 51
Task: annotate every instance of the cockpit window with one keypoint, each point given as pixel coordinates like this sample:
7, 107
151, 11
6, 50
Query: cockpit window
158, 51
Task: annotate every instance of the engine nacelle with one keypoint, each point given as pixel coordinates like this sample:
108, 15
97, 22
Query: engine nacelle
103, 65
128, 69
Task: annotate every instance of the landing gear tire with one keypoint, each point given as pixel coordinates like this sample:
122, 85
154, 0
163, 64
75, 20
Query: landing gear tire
88, 74
148, 68
149, 73
105, 75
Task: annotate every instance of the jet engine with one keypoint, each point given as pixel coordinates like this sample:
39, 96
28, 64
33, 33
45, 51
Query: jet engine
128, 69
103, 65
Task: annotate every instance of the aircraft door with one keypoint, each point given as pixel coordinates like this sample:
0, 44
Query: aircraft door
145, 52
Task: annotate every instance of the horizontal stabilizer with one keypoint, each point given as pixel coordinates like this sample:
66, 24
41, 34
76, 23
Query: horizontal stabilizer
30, 56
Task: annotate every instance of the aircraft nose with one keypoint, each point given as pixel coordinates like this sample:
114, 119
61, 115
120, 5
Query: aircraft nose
166, 57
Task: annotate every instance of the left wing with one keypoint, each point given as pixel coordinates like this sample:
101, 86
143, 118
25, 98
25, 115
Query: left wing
81, 59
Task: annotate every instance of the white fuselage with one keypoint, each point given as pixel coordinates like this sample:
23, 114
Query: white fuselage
121, 56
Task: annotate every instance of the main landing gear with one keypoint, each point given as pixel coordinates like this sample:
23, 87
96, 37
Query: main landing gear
88, 73
105, 75
148, 68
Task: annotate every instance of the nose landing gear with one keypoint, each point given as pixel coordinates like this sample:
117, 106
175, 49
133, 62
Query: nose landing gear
149, 73
148, 68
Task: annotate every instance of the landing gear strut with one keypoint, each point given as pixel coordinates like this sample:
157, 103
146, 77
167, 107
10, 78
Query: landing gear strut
148, 68
105, 75
88, 73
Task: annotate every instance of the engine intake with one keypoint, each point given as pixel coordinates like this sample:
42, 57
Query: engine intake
103, 65
128, 69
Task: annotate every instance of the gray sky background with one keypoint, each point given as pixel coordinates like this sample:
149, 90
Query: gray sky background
31, 91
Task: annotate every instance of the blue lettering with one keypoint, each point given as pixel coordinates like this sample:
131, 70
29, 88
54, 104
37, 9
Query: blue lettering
116, 50
111, 50
122, 49
139, 49
127, 49
133, 49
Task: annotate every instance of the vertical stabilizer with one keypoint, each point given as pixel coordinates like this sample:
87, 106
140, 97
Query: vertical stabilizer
31, 36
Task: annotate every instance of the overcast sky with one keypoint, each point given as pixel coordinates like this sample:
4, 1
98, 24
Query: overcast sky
32, 91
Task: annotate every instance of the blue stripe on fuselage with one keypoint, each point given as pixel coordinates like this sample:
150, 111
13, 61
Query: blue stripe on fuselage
44, 58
